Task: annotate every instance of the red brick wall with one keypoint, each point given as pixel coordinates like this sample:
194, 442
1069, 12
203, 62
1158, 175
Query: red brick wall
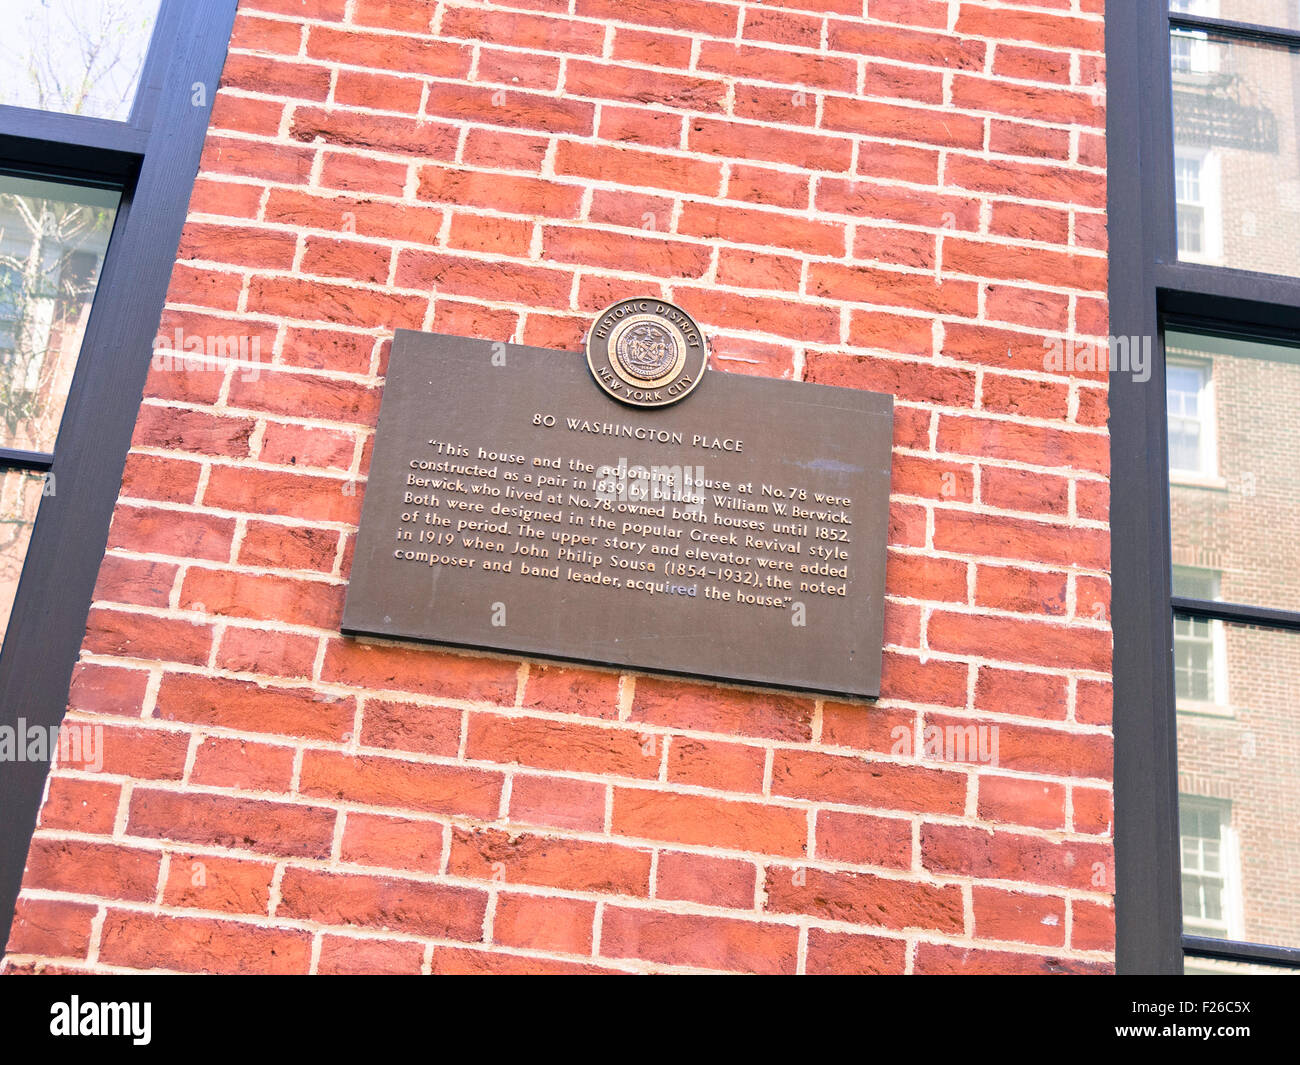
909, 199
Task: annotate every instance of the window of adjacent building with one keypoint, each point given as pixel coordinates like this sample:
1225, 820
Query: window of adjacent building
1209, 875
1234, 121
1191, 210
1191, 417
1200, 653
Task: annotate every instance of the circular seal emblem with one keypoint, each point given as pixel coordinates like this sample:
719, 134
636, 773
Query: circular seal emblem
646, 352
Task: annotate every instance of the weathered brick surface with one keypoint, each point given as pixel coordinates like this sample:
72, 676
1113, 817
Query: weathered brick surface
903, 195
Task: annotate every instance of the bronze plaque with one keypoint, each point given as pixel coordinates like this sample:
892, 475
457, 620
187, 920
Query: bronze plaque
736, 533
646, 352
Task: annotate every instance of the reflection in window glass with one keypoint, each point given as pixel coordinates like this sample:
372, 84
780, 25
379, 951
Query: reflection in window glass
78, 57
1239, 805
1281, 13
1236, 152
1210, 878
1194, 966
20, 496
1234, 445
1190, 407
52, 243
1200, 673
1191, 211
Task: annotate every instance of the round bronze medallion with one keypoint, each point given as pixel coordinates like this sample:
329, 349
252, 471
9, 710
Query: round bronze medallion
646, 352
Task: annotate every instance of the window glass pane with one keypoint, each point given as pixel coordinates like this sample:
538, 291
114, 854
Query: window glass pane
1234, 449
1193, 966
79, 57
1239, 803
1283, 13
52, 243
20, 495
1236, 160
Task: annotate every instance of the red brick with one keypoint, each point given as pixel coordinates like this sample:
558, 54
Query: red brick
705, 879
52, 928
628, 166
985, 854
279, 828
652, 48
561, 745
862, 898
80, 805
201, 945
858, 782
764, 142
548, 861
357, 215
344, 956
412, 907
338, 304
392, 842
359, 88
1092, 926
411, 727
1014, 640
680, 704
1020, 692
706, 821
1044, 28
704, 942
1018, 917
853, 954
702, 16
1024, 490
1094, 810
1017, 538
624, 251
375, 781
136, 582
377, 668
242, 764
1024, 591
558, 802
252, 650
863, 839
709, 764
846, 725
238, 246
106, 870
208, 882
382, 51
111, 632
171, 429
544, 923
941, 959
1034, 803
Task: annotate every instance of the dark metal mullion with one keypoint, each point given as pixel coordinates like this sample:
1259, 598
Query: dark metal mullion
149, 88
1239, 612
1234, 950
80, 131
17, 459
1251, 31
1148, 900
1186, 286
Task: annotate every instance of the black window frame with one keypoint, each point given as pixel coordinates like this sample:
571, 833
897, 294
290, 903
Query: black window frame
153, 157
1151, 290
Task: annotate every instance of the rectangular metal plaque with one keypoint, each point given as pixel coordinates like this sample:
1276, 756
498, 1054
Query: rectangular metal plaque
737, 535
